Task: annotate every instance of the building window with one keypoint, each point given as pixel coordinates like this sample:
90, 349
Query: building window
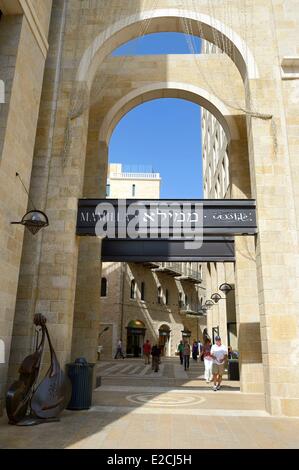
133, 289
159, 299
133, 190
166, 297
180, 299
104, 287
142, 291
108, 190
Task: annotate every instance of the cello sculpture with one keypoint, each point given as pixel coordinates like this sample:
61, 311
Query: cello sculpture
27, 403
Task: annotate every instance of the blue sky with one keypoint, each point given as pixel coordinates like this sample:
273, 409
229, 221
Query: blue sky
163, 133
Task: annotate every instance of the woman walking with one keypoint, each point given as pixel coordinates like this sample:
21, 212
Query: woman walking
208, 360
195, 350
186, 354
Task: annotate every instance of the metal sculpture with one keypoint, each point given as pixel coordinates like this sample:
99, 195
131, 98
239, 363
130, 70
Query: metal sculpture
27, 403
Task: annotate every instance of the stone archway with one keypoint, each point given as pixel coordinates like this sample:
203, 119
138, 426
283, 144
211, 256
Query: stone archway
272, 184
164, 20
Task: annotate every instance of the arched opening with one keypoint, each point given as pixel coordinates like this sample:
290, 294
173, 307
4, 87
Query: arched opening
164, 340
135, 338
133, 290
204, 25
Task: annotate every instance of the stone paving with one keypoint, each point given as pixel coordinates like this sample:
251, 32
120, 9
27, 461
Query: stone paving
135, 408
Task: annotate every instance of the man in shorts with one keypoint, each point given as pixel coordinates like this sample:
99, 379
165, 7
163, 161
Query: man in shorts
219, 354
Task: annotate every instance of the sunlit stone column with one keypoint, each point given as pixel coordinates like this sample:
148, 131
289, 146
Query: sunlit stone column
246, 294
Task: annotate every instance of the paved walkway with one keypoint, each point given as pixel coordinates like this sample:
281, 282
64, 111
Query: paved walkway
135, 408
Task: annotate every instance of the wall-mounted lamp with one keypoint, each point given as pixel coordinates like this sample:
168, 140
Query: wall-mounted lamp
216, 297
103, 331
209, 303
225, 288
33, 220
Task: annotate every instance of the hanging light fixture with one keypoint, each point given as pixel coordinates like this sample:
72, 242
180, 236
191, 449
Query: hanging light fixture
216, 297
209, 303
35, 219
225, 288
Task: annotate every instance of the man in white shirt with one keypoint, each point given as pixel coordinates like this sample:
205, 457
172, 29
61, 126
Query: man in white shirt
219, 354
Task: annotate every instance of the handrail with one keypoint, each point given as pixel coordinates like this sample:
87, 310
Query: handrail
135, 175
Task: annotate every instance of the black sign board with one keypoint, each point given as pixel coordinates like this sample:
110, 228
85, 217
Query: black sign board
212, 249
207, 217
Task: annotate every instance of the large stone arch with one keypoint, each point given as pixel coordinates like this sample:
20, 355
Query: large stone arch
271, 179
165, 20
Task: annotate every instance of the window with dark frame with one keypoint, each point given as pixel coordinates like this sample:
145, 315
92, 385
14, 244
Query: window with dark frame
133, 289
142, 291
159, 295
103, 287
166, 297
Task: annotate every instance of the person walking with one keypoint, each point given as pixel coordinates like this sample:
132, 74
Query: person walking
180, 350
147, 351
186, 354
208, 360
219, 354
195, 350
119, 351
155, 357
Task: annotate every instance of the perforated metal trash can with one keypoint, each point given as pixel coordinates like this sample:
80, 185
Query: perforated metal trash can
233, 369
81, 375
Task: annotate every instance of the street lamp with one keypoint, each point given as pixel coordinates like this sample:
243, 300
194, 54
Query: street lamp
216, 297
105, 329
225, 288
35, 219
209, 303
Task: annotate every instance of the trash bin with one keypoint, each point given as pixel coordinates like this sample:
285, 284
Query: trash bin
233, 369
81, 375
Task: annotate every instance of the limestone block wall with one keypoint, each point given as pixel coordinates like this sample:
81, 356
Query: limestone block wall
62, 140
22, 67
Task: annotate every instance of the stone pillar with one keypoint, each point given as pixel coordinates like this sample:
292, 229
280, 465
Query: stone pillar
277, 250
246, 294
86, 326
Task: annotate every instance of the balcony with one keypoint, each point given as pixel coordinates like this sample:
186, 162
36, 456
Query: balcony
172, 269
193, 310
191, 275
150, 264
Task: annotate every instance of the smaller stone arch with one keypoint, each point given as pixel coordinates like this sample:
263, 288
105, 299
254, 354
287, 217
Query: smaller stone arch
184, 91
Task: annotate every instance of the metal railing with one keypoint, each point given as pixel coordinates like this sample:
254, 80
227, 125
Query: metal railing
190, 307
182, 269
135, 175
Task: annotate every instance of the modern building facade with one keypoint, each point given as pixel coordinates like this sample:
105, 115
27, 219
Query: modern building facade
216, 181
64, 95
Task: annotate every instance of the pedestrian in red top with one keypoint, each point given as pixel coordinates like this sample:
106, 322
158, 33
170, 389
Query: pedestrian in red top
147, 351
